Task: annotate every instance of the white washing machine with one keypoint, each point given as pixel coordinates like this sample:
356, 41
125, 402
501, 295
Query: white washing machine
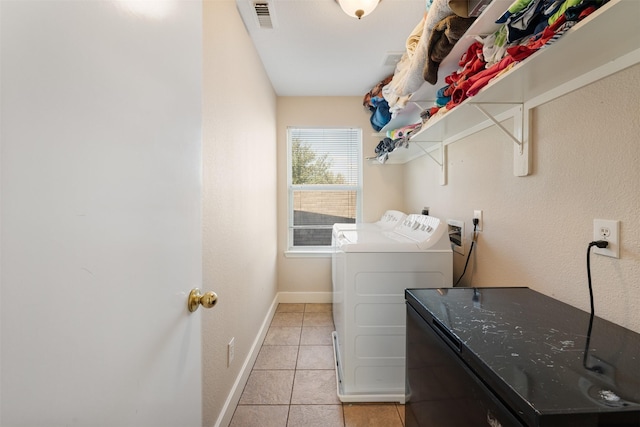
389, 220
371, 269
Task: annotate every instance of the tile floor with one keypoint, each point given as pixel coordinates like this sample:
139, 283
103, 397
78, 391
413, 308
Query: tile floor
293, 381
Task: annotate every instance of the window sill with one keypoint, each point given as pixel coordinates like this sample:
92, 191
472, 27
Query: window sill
308, 253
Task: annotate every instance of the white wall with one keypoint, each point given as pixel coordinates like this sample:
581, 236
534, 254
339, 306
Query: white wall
239, 240
382, 188
586, 158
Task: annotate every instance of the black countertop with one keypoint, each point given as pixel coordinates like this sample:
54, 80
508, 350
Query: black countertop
536, 352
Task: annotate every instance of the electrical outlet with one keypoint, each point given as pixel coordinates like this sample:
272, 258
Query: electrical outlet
231, 350
478, 214
609, 230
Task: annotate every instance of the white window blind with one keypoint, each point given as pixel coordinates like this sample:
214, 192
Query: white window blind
324, 176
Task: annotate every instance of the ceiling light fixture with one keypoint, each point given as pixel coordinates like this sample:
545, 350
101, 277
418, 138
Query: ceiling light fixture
358, 8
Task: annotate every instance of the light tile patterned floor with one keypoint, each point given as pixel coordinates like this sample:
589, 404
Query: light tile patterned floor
293, 382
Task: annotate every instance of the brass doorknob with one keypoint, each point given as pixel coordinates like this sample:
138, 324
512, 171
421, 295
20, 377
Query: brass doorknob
207, 300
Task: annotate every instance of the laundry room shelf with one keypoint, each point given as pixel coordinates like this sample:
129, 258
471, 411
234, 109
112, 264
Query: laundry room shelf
604, 43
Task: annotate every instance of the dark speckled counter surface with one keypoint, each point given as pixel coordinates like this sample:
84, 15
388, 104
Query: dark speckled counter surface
535, 352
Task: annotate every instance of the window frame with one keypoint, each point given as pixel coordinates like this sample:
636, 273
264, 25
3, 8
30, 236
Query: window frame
291, 189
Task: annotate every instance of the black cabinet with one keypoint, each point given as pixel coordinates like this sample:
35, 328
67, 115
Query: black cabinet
514, 357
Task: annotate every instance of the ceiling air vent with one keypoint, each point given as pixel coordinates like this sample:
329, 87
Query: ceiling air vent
263, 14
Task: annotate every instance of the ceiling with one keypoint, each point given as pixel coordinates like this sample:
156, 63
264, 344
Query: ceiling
315, 49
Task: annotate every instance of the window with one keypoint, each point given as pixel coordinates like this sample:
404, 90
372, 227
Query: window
324, 180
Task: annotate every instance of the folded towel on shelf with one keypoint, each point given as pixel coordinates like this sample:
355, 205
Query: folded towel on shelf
414, 37
398, 101
408, 75
381, 115
444, 36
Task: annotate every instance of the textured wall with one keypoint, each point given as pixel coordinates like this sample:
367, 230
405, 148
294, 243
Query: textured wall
586, 157
239, 200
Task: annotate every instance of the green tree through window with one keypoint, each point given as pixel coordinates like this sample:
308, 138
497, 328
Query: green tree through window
308, 168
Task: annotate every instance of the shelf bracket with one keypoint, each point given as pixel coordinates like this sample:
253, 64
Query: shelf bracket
506, 131
442, 161
428, 153
520, 136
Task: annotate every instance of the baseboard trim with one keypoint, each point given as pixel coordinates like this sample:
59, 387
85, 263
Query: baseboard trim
224, 419
305, 297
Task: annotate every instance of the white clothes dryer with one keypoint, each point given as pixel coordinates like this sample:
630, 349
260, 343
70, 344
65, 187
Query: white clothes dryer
390, 219
371, 269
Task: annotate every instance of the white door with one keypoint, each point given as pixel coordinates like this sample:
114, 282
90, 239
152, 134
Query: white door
101, 237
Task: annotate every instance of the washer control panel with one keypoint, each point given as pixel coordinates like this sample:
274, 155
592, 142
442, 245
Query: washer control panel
418, 227
391, 219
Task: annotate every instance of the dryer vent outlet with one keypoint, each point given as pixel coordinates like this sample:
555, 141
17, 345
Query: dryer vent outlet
456, 235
